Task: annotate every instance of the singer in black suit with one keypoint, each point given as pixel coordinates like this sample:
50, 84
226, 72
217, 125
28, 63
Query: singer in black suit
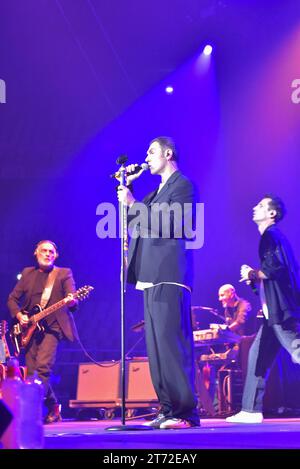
160, 264
41, 352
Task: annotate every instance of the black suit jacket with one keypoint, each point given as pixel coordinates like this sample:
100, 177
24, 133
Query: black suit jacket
21, 297
240, 314
157, 251
282, 287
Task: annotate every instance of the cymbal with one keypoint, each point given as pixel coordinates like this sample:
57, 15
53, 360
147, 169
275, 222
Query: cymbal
205, 308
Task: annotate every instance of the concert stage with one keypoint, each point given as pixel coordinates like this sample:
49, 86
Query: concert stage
213, 434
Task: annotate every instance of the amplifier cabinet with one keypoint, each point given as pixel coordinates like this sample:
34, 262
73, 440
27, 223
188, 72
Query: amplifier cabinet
101, 385
98, 383
139, 384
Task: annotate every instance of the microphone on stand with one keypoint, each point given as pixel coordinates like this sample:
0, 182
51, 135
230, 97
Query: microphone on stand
139, 167
205, 308
213, 311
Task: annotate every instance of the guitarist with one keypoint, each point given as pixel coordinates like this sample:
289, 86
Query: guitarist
45, 285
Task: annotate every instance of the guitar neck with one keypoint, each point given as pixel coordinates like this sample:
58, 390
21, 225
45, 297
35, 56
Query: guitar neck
80, 294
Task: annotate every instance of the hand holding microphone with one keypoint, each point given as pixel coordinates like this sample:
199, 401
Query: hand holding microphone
133, 171
245, 269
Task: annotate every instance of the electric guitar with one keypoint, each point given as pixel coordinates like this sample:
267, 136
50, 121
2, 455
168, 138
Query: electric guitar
22, 335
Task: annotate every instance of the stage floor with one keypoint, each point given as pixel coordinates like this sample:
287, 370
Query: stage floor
213, 434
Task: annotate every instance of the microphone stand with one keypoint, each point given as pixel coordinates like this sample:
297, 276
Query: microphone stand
123, 271
216, 313
213, 311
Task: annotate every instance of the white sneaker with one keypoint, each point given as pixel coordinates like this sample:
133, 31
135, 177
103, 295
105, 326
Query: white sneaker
246, 417
156, 422
173, 423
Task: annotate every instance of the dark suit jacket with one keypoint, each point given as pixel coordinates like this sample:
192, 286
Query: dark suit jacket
282, 287
154, 255
240, 314
20, 297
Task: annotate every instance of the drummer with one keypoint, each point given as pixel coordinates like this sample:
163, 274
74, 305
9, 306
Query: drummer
237, 311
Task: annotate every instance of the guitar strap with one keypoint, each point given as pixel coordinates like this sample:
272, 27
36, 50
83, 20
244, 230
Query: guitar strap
48, 287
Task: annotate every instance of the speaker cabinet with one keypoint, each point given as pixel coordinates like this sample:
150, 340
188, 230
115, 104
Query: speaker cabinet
101, 385
98, 383
139, 387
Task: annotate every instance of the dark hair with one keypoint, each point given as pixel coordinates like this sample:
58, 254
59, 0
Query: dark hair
167, 142
276, 204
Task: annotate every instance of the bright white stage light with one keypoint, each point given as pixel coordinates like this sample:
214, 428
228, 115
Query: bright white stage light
207, 50
169, 89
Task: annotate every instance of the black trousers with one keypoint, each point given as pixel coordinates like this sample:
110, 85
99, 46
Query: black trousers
170, 347
40, 357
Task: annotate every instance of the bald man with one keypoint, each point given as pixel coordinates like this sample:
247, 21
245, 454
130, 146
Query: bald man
237, 311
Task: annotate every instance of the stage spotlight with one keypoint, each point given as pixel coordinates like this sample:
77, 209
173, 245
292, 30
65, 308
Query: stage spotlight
169, 89
207, 49
19, 276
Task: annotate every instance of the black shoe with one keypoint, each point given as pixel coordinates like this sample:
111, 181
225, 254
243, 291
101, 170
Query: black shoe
53, 414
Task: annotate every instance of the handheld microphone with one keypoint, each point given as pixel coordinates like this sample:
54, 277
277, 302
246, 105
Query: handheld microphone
139, 167
247, 280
